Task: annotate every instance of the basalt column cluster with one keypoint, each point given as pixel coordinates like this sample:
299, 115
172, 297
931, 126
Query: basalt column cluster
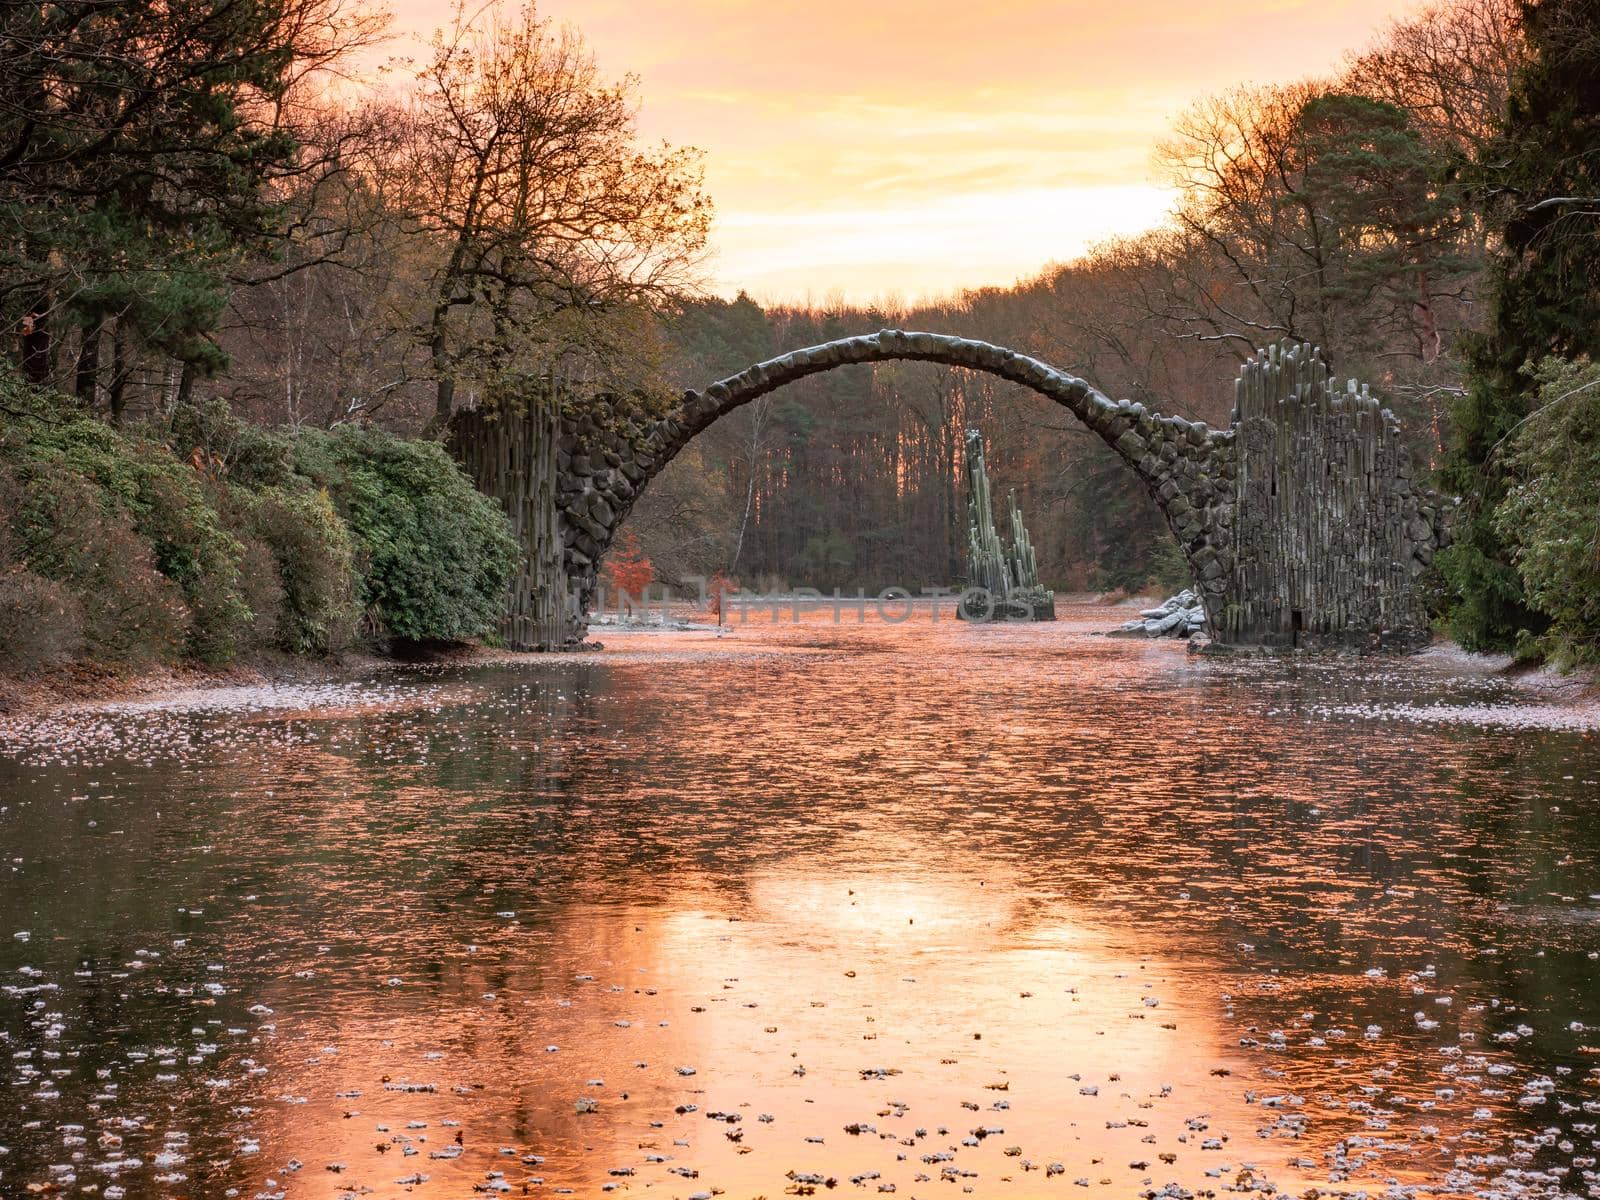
1330, 528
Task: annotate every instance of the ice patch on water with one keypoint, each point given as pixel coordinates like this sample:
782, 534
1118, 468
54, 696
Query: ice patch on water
177, 724
1566, 718
252, 698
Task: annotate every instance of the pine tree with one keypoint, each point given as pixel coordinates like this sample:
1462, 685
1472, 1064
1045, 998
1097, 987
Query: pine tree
138, 148
1540, 179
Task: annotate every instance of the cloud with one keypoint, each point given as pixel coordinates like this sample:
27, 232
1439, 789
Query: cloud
818, 113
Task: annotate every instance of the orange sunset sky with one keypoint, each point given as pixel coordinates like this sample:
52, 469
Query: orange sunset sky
901, 149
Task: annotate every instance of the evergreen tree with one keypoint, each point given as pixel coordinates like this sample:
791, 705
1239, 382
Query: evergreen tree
138, 143
1389, 233
1540, 180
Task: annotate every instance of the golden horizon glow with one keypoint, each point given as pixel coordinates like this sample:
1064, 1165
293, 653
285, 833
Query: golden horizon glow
908, 150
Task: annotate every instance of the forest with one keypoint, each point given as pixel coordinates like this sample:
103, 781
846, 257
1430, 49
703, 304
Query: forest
244, 293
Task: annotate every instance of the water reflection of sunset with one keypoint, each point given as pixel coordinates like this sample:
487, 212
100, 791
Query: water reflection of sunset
1143, 915
780, 1012
819, 1000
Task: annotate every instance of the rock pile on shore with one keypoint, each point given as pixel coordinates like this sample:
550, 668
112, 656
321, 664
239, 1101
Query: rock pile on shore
1179, 617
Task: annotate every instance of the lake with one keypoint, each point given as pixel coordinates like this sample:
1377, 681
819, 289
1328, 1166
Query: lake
914, 907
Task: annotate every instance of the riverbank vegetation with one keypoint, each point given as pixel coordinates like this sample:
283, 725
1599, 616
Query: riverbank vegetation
209, 539
243, 294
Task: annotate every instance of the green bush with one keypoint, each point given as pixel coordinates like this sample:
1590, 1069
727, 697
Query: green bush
204, 424
263, 591
298, 557
1170, 572
166, 504
313, 560
248, 455
1550, 517
435, 553
211, 536
130, 612
263, 458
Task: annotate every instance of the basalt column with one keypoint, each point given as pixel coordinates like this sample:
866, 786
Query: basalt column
509, 450
1330, 530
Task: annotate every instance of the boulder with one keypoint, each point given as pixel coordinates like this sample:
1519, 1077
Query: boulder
1169, 623
1179, 617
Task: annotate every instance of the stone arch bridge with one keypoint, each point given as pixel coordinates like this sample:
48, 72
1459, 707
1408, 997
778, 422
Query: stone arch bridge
1301, 522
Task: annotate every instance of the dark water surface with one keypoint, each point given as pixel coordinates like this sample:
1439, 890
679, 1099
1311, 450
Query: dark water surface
919, 908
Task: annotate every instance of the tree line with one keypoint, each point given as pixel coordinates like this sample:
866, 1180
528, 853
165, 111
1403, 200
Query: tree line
209, 220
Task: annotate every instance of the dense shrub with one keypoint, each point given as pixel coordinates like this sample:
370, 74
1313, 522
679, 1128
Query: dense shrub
263, 591
435, 553
164, 500
263, 458
1550, 517
130, 612
313, 560
250, 456
1170, 571
298, 557
41, 621
203, 425
210, 536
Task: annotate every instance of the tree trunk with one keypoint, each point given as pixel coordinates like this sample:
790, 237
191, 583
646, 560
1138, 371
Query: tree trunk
444, 400
185, 385
749, 500
120, 370
87, 383
36, 349
1428, 339
444, 404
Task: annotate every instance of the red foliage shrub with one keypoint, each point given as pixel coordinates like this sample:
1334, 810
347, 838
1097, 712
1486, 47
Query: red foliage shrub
718, 588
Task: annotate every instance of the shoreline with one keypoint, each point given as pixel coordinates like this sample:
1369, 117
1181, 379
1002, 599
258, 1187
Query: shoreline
89, 685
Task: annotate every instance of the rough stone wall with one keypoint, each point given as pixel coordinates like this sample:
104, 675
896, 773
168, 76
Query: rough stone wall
1330, 528
1301, 523
607, 449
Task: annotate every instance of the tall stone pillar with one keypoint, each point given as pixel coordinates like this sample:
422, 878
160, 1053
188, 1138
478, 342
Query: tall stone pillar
509, 449
1330, 530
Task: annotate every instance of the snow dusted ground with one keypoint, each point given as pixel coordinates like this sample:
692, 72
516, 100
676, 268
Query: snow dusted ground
1531, 700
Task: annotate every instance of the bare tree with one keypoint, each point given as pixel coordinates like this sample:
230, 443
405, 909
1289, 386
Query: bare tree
528, 175
1449, 66
321, 331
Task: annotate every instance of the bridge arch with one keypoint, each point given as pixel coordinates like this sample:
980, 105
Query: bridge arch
1182, 464
1302, 522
